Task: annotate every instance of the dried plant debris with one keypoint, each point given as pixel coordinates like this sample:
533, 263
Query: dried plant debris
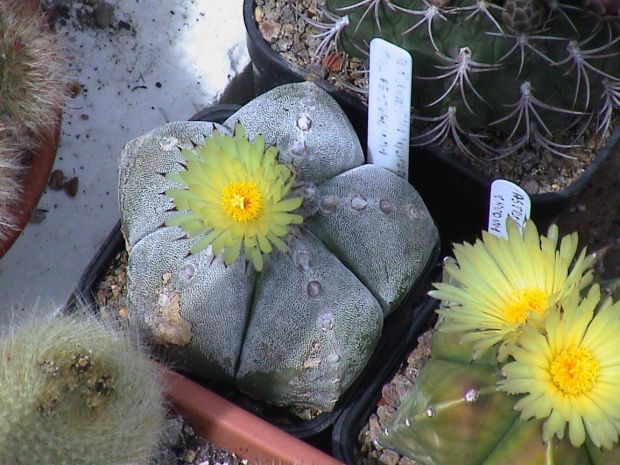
183, 446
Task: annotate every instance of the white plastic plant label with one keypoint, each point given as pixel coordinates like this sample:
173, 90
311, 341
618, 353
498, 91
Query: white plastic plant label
507, 200
389, 106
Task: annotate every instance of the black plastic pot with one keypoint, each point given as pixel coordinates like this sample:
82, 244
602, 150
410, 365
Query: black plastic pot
270, 70
409, 318
400, 329
456, 194
356, 414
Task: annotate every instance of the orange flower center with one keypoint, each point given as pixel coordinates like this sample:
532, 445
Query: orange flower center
573, 371
528, 300
242, 201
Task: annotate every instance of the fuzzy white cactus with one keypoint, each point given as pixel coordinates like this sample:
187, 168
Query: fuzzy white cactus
73, 390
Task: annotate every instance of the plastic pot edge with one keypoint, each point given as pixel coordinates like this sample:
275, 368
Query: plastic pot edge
350, 422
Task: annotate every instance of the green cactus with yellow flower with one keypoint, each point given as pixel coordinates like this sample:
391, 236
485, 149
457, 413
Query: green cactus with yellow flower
525, 366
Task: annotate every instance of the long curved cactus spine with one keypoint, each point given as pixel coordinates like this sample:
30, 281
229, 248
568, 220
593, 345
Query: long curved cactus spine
518, 72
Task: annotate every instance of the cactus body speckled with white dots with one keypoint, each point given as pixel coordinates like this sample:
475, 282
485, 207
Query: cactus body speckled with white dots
300, 331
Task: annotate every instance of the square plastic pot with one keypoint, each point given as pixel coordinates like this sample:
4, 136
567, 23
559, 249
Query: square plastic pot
395, 329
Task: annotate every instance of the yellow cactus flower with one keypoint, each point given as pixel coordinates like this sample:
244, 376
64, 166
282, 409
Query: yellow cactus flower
234, 194
569, 371
499, 284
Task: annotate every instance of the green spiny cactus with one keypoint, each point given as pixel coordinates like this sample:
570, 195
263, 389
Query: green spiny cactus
75, 391
497, 74
456, 413
560, 375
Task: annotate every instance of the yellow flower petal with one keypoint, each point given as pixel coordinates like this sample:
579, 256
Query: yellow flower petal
501, 284
575, 373
576, 430
234, 194
554, 426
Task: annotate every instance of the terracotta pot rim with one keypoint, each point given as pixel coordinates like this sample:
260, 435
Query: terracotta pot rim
39, 166
235, 429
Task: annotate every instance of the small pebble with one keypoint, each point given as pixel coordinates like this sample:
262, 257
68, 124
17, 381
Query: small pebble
71, 187
270, 30
56, 181
531, 187
103, 15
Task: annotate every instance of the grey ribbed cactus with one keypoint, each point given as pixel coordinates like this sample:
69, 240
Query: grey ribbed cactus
263, 251
500, 74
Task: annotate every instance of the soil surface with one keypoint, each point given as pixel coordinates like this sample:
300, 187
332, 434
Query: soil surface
181, 446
